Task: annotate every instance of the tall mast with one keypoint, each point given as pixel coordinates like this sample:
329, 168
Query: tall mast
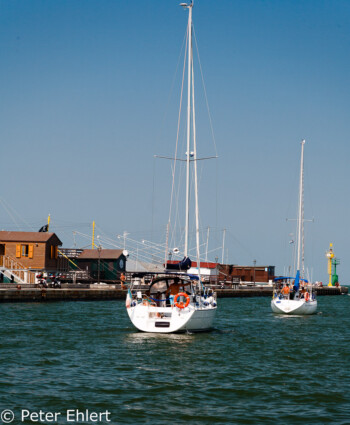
301, 213
93, 235
188, 153
223, 246
195, 175
206, 253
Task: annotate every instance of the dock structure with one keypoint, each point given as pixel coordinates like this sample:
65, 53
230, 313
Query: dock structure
32, 293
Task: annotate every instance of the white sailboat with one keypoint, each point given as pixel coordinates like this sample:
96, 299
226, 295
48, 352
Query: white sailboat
298, 298
177, 301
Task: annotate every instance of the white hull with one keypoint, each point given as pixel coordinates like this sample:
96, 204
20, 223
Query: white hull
297, 307
147, 318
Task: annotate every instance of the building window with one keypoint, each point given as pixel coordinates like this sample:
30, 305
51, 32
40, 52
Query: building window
25, 250
54, 252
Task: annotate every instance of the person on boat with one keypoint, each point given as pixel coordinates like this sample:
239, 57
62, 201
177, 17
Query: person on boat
157, 299
210, 298
175, 287
160, 300
169, 299
286, 290
292, 293
302, 292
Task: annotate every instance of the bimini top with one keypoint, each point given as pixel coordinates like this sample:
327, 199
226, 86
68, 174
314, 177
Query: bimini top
287, 277
173, 275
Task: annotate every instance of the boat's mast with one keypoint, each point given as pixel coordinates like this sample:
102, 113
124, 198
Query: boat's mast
195, 175
302, 226
188, 153
301, 212
206, 253
223, 246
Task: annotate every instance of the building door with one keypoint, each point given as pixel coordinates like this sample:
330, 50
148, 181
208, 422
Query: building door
2, 253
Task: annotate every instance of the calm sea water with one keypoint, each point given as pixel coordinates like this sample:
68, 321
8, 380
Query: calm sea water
254, 368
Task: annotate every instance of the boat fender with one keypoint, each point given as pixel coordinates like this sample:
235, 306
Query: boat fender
181, 304
214, 304
307, 296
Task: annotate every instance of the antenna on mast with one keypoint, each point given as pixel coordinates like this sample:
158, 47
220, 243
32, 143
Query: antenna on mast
187, 5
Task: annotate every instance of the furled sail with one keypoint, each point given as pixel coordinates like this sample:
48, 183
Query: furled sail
184, 264
297, 282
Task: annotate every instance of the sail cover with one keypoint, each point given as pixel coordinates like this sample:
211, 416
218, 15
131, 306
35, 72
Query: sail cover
184, 264
297, 282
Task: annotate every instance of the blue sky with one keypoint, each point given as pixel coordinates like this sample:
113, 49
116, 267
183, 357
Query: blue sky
88, 96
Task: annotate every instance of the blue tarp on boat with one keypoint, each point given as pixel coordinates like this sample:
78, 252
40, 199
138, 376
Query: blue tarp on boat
184, 264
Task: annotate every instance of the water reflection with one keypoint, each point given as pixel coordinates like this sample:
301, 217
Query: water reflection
142, 337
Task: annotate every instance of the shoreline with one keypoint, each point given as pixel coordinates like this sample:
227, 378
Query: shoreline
33, 294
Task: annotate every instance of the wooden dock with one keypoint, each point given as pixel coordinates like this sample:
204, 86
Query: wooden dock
30, 293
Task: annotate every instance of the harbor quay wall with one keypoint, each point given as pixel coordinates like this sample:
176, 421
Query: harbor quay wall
32, 294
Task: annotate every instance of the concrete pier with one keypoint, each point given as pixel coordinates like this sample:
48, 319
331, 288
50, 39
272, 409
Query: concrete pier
29, 293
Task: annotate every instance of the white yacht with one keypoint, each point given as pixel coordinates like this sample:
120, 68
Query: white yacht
177, 301
296, 296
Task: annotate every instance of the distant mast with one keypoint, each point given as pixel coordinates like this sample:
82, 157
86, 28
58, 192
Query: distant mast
301, 215
93, 235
